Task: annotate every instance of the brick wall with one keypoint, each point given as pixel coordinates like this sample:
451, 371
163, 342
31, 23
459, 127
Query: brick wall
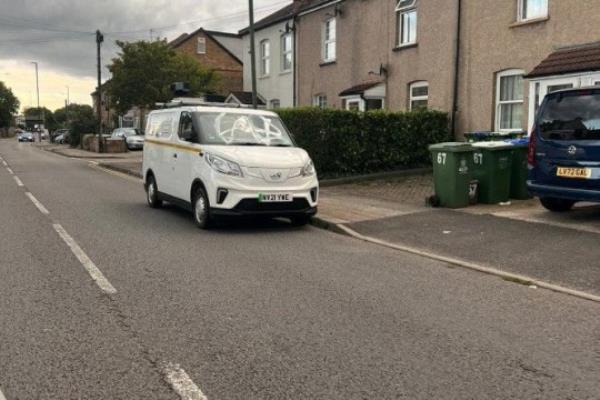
229, 68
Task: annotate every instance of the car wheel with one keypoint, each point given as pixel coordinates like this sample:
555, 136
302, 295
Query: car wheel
152, 193
301, 220
557, 205
201, 209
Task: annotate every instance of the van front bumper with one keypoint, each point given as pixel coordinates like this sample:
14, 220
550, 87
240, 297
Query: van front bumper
561, 192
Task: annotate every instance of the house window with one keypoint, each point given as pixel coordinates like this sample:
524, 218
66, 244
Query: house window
275, 103
407, 22
320, 101
286, 52
265, 58
374, 104
532, 9
509, 100
419, 95
329, 36
201, 46
556, 88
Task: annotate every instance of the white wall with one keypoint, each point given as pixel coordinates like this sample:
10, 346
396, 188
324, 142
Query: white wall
278, 85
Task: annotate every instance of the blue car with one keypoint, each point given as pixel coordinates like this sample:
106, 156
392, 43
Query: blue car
564, 149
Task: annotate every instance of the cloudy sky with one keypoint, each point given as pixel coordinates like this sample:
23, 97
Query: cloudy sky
59, 35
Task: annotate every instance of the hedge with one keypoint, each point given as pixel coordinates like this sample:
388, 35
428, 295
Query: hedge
346, 142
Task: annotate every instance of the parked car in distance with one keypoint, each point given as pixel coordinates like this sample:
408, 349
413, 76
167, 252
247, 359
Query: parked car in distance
63, 138
63, 134
220, 161
25, 137
564, 149
133, 139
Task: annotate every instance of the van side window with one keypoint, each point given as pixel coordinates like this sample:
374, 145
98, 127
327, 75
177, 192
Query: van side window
151, 126
186, 128
165, 128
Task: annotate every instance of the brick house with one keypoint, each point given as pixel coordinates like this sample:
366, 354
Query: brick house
219, 51
476, 57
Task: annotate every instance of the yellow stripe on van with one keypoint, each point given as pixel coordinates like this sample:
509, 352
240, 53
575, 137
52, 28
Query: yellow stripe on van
183, 147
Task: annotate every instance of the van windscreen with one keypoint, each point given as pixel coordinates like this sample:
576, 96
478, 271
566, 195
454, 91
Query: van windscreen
239, 129
571, 116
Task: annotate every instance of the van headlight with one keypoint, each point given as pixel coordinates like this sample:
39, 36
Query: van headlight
222, 165
308, 169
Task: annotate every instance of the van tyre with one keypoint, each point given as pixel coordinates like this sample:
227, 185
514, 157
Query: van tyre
152, 193
557, 205
200, 208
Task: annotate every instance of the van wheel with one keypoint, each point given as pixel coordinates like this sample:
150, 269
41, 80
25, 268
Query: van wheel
557, 205
201, 209
152, 193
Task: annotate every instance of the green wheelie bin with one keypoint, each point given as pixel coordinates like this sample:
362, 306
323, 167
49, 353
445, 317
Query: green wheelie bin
492, 162
452, 165
518, 172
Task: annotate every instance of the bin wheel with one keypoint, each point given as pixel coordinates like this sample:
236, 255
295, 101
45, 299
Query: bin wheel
432, 201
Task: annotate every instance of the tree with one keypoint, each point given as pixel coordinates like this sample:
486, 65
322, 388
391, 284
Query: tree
80, 120
143, 72
9, 105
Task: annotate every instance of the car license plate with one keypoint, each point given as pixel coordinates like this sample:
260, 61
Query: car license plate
577, 173
275, 198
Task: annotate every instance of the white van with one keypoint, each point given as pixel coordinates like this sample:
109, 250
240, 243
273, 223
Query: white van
221, 161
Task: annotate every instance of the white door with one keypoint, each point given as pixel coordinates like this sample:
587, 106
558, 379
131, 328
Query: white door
165, 153
185, 156
558, 84
539, 89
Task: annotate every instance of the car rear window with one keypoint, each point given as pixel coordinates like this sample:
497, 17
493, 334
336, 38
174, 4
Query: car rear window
571, 116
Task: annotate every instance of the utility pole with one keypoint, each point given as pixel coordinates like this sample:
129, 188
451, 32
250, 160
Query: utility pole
67, 103
253, 56
41, 115
99, 40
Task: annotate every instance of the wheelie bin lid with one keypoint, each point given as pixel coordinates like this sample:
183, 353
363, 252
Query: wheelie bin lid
492, 146
455, 147
523, 142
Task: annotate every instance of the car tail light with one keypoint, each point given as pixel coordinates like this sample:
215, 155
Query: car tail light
532, 144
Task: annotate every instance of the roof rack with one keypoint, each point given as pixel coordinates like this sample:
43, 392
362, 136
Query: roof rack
194, 102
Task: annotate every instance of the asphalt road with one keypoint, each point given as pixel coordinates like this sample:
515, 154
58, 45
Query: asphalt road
255, 311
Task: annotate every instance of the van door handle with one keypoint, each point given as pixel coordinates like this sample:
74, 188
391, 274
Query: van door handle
175, 155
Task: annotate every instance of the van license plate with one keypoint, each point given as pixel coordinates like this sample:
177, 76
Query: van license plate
275, 198
577, 173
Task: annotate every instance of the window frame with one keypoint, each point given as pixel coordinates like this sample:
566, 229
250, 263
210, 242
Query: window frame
325, 42
265, 58
498, 103
274, 104
285, 52
202, 40
411, 97
522, 12
403, 11
317, 101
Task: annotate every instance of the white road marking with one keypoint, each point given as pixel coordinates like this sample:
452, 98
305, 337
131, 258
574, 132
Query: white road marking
10, 171
4, 163
90, 267
2, 396
36, 202
181, 383
19, 183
